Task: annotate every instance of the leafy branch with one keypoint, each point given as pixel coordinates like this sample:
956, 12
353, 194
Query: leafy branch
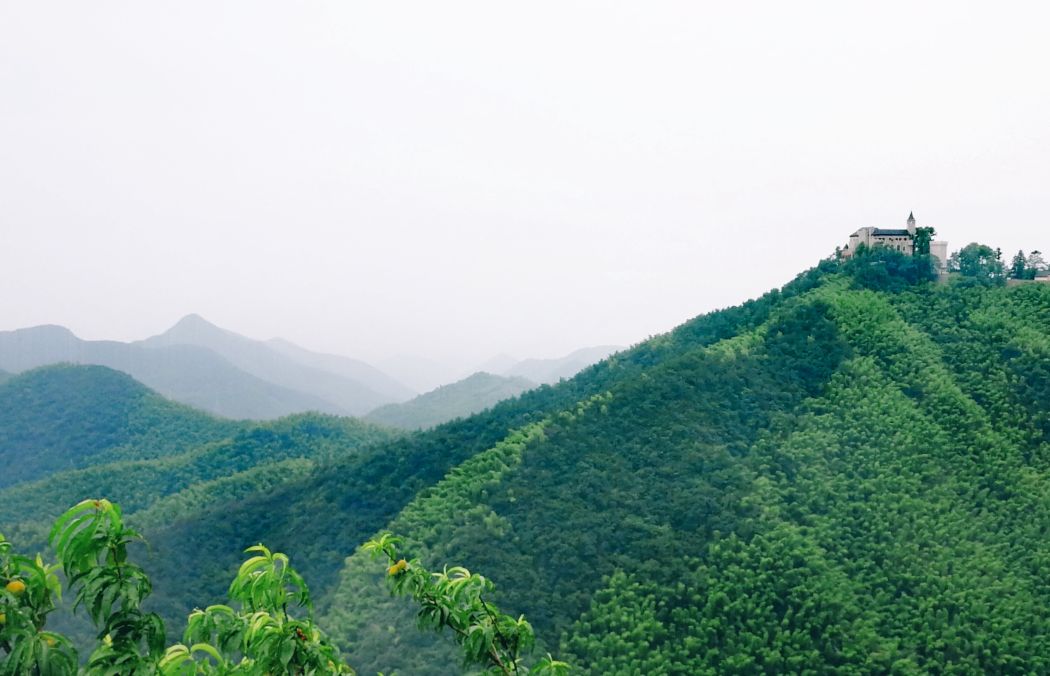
453, 599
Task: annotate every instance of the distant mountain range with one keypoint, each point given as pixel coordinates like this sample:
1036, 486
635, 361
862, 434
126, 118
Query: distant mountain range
550, 371
473, 394
203, 365
350, 385
200, 364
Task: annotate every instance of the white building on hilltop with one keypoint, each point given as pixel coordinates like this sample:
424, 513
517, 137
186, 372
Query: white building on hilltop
900, 240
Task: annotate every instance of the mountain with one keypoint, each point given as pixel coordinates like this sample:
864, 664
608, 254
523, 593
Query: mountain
847, 475
551, 371
200, 364
354, 369
62, 417
835, 477
4, 377
72, 431
349, 386
470, 395
190, 375
420, 373
501, 363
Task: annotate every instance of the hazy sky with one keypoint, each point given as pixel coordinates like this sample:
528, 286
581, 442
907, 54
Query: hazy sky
453, 180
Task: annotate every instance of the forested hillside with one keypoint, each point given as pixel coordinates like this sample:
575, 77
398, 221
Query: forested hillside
63, 417
158, 489
851, 474
832, 478
459, 399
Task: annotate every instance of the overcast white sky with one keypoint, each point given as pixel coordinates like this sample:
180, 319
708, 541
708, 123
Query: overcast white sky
453, 180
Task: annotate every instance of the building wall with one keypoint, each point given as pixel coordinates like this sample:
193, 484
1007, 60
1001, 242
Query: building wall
939, 250
903, 244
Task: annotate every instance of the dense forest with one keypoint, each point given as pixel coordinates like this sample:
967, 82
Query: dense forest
847, 475
62, 417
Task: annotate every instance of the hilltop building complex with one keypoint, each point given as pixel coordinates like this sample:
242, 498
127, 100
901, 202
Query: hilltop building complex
902, 240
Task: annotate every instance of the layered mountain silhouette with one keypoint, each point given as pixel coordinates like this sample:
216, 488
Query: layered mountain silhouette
472, 394
550, 371
200, 364
352, 386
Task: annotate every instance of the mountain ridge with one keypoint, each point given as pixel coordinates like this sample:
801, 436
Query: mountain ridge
242, 378
637, 488
470, 395
274, 362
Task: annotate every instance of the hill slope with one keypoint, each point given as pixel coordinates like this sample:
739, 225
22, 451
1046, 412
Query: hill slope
829, 478
856, 484
462, 398
63, 417
174, 485
322, 517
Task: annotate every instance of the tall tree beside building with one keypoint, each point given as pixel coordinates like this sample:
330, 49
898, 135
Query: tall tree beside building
921, 241
1036, 263
1019, 266
979, 261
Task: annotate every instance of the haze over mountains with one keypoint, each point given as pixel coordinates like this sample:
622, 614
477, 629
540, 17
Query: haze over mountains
194, 363
347, 385
550, 371
472, 394
198, 363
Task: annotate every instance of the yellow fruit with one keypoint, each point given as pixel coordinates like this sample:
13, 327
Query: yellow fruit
3, 618
397, 567
16, 587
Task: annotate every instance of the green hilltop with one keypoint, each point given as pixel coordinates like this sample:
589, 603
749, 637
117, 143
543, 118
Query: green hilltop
847, 475
63, 417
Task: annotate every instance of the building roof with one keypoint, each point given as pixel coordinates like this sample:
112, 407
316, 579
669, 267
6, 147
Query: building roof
882, 232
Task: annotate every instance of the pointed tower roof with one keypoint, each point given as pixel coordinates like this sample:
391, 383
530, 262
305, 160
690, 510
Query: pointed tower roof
911, 216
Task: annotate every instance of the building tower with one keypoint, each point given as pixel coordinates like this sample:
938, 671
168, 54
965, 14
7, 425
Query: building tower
911, 223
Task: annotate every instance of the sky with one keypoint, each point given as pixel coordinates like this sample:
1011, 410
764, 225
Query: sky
448, 181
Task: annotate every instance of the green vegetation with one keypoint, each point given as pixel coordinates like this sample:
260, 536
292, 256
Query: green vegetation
1028, 267
848, 475
980, 262
884, 269
470, 395
252, 461
57, 418
921, 241
258, 636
